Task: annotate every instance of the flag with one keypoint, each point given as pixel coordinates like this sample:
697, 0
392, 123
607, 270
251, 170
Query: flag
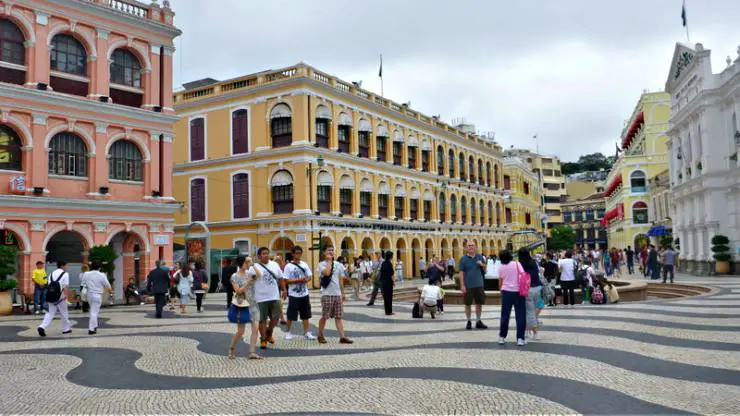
616, 155
683, 13
380, 71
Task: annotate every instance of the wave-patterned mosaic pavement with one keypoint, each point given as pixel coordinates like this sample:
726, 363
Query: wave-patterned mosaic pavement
654, 357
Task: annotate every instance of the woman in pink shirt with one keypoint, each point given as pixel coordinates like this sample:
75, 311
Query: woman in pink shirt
509, 274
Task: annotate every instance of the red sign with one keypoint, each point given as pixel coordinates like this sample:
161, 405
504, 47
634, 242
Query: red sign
17, 184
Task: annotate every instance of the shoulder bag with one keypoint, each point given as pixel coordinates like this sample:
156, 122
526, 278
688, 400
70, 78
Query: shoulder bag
525, 280
326, 280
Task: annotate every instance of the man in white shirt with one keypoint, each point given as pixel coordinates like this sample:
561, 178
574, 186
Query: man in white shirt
297, 275
428, 299
332, 295
366, 269
267, 294
61, 276
96, 284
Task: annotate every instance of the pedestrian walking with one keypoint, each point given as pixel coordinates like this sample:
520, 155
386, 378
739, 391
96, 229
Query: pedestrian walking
173, 295
240, 309
387, 282
630, 255
56, 299
200, 285
226, 272
366, 269
97, 285
652, 263
297, 275
354, 277
332, 296
39, 287
422, 268
511, 298
267, 294
535, 291
568, 282
551, 271
157, 283
472, 269
669, 263
376, 277
184, 281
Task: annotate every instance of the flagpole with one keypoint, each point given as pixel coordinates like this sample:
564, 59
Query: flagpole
685, 21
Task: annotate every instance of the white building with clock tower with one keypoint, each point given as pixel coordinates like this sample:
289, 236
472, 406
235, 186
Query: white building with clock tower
703, 154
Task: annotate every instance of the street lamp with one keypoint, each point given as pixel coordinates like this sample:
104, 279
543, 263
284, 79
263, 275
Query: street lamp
309, 171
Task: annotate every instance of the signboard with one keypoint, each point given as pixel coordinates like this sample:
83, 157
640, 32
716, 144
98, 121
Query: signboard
300, 238
17, 184
161, 240
196, 250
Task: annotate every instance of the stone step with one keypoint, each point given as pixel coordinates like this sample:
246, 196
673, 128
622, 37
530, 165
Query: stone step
664, 294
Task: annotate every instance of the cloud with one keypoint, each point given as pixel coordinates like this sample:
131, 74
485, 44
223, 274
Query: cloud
570, 71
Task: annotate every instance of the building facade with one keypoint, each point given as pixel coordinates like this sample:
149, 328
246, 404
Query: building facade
643, 156
704, 141
549, 170
85, 133
523, 209
584, 216
661, 208
276, 158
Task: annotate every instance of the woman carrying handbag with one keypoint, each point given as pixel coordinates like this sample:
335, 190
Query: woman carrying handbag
239, 310
200, 285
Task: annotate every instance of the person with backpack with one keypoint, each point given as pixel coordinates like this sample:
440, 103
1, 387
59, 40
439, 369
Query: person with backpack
96, 284
56, 298
267, 290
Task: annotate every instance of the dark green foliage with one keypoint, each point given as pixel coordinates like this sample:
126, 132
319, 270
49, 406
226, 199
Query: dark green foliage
8, 258
106, 256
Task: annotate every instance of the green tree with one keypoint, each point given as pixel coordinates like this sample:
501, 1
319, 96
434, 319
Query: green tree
106, 256
562, 237
8, 258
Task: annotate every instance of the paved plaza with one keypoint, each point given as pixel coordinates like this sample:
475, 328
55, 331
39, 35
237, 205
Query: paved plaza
654, 357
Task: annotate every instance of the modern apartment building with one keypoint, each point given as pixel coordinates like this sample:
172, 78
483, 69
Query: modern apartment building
85, 133
279, 158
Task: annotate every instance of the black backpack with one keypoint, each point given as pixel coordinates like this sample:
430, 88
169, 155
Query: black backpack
54, 289
416, 310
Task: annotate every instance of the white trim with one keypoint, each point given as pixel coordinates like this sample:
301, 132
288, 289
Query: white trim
231, 194
20, 233
128, 88
90, 142
83, 237
73, 77
205, 136
25, 23
190, 198
248, 108
126, 45
16, 123
11, 65
247, 239
143, 148
270, 116
90, 47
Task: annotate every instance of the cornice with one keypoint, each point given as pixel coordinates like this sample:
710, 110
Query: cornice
31, 202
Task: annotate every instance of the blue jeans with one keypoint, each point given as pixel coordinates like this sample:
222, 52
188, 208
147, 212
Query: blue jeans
509, 299
39, 298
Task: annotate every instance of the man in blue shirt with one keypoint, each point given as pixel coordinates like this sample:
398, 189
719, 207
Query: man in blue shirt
472, 266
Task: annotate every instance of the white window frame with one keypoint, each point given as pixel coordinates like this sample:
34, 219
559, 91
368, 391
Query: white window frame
190, 198
249, 130
205, 137
231, 194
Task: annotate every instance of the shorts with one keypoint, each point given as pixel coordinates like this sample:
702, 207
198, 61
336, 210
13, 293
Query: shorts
299, 306
331, 307
475, 294
365, 277
269, 310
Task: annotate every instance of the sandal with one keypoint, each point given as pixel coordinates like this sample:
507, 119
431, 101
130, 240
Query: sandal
232, 353
254, 356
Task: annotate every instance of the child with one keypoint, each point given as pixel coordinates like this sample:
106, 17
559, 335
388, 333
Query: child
441, 300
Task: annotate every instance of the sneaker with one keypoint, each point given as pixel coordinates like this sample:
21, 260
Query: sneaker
69, 331
42, 331
501, 340
263, 344
345, 340
92, 332
309, 335
271, 340
534, 336
433, 317
521, 342
469, 326
441, 312
480, 325
321, 339
288, 336
37, 312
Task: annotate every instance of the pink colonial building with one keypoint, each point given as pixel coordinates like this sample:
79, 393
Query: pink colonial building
86, 133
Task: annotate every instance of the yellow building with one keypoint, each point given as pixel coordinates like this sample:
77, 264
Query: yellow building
523, 208
644, 156
277, 158
548, 169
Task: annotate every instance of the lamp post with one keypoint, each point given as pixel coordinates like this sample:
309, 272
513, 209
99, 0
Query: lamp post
309, 171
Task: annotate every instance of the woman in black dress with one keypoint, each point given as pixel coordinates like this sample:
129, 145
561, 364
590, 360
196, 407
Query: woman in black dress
387, 282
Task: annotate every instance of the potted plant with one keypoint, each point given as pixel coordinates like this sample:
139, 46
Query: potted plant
721, 254
7, 266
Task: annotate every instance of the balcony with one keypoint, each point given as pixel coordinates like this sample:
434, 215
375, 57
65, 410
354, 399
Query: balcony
135, 9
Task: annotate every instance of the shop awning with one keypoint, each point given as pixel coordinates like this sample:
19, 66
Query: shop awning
658, 231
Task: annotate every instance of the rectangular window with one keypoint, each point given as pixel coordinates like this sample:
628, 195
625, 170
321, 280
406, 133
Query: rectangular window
364, 143
428, 210
398, 202
508, 216
322, 133
425, 160
345, 201
528, 218
397, 148
323, 198
383, 205
282, 199
526, 188
414, 208
239, 131
412, 157
197, 139
547, 172
365, 203
380, 148
344, 133
198, 200
567, 217
589, 214
507, 182
579, 216
600, 213
241, 195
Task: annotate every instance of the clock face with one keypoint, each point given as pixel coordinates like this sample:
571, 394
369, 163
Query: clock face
684, 60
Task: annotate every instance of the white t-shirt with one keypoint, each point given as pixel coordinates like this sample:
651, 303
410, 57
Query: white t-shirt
266, 288
567, 269
430, 294
334, 288
492, 269
301, 271
366, 267
63, 282
95, 281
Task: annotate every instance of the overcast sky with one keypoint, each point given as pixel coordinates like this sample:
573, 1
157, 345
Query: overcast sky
570, 71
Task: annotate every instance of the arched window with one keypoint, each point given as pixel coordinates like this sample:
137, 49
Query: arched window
495, 176
67, 155
453, 208
440, 161
638, 181
488, 173
323, 117
463, 208
125, 69
480, 171
282, 192
451, 163
197, 200
414, 204
398, 200
325, 182
471, 169
428, 199
10, 149
381, 143
473, 212
12, 51
197, 139
366, 194
481, 211
490, 214
281, 127
363, 138
124, 161
240, 195
639, 213
68, 55
461, 167
239, 132
442, 208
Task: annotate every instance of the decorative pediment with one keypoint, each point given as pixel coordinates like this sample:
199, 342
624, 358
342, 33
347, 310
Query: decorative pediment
683, 59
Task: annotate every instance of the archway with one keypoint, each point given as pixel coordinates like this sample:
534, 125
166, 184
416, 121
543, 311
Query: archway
9, 239
484, 248
385, 245
429, 250
281, 246
71, 248
347, 249
445, 248
367, 247
493, 248
641, 241
402, 255
456, 252
415, 257
132, 261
